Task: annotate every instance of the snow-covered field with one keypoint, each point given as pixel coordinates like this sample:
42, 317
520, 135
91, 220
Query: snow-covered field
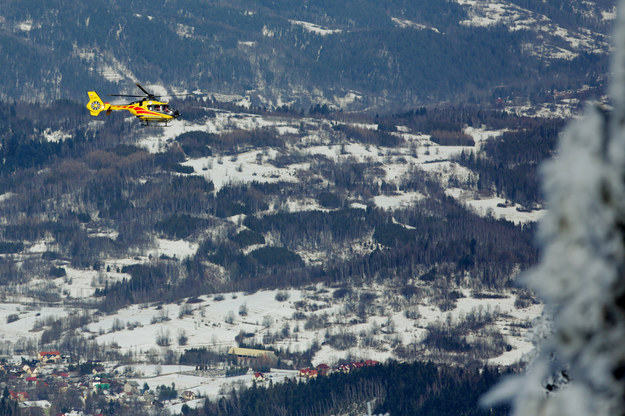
295, 320
313, 28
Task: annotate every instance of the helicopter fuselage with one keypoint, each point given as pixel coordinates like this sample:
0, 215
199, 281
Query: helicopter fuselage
150, 110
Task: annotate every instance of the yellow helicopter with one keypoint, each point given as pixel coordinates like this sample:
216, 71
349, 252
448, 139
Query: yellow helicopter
149, 109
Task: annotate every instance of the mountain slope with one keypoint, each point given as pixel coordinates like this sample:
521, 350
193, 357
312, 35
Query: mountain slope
359, 55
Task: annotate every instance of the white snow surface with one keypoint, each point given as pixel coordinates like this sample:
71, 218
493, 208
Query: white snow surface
496, 207
405, 23
55, 136
313, 28
399, 200
179, 249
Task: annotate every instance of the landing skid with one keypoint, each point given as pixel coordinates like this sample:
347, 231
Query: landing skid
146, 124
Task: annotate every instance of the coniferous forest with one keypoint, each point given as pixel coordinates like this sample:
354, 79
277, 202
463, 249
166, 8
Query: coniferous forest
395, 388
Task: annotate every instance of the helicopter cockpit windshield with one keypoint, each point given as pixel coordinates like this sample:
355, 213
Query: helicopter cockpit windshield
164, 109
160, 108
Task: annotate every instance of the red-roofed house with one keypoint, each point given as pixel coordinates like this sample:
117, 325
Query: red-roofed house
323, 369
20, 396
345, 368
308, 373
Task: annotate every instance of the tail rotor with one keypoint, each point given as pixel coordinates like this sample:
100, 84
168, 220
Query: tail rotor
96, 105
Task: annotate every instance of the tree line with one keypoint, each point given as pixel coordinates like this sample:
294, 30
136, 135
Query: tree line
396, 388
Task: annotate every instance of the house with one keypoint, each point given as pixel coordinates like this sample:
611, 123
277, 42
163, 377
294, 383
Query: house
101, 387
44, 405
20, 396
308, 373
259, 377
98, 369
30, 370
188, 395
323, 369
50, 357
131, 387
251, 356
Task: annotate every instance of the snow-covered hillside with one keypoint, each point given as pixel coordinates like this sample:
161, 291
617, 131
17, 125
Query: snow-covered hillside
332, 321
558, 42
417, 152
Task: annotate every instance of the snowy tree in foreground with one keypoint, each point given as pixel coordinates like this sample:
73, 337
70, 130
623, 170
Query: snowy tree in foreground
579, 368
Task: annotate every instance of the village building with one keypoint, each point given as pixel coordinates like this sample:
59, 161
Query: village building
308, 373
323, 369
249, 356
188, 395
20, 396
44, 405
131, 387
259, 377
30, 370
50, 357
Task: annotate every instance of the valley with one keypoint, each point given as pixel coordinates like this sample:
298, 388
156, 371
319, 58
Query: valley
358, 175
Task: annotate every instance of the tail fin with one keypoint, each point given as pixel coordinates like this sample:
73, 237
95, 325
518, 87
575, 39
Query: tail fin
95, 104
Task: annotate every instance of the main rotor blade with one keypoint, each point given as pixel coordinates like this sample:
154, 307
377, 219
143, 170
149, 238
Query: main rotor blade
177, 95
125, 95
142, 89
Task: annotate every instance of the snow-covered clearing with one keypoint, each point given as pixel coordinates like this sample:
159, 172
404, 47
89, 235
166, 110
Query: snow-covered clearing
55, 136
405, 23
179, 249
400, 200
496, 207
313, 28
